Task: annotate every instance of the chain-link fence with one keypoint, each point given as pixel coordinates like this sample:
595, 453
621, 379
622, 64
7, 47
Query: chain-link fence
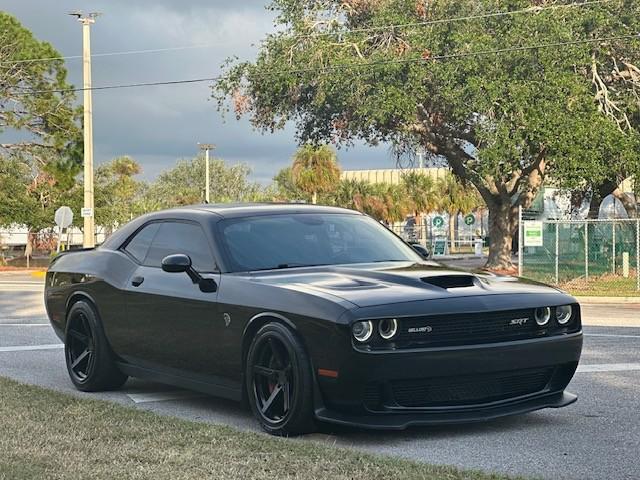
591, 257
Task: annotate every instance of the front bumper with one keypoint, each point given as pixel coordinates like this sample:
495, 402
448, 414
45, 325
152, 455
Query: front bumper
347, 400
400, 421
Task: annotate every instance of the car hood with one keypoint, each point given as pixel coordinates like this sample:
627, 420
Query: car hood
384, 283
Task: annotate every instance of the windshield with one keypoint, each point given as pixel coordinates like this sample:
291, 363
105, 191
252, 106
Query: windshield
299, 240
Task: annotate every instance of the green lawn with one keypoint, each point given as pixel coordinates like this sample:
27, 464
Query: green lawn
46, 434
603, 286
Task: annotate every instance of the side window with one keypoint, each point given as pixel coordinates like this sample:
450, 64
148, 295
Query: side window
187, 238
138, 246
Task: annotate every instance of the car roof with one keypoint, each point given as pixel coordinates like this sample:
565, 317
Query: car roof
234, 210
219, 211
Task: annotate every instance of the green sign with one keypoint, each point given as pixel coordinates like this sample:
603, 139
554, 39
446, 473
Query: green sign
438, 222
470, 219
440, 246
532, 234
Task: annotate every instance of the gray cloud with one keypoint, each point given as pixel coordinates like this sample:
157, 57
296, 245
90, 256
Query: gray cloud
157, 125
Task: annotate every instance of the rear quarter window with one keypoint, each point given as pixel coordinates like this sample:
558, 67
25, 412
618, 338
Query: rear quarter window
138, 246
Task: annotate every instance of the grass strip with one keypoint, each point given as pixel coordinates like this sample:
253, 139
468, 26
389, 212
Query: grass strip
52, 435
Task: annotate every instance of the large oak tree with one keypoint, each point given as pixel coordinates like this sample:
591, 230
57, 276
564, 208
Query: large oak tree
391, 71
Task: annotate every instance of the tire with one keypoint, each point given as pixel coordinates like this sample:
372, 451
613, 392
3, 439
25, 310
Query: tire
279, 382
90, 361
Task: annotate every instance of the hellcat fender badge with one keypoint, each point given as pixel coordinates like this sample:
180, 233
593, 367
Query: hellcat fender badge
227, 319
425, 329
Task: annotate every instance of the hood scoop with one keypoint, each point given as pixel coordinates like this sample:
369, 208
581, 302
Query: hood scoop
451, 281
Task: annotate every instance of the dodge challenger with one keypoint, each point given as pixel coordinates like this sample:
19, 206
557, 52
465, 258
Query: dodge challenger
309, 314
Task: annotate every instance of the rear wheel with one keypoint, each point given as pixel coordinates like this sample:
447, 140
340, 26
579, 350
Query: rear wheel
279, 382
88, 356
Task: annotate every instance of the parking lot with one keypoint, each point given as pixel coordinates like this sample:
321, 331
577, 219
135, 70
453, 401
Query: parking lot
598, 437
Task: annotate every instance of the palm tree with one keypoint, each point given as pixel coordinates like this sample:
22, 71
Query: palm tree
315, 170
456, 198
421, 192
395, 200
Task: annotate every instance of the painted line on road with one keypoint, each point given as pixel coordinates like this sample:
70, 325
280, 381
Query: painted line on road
28, 348
610, 335
164, 396
5, 289
608, 367
25, 324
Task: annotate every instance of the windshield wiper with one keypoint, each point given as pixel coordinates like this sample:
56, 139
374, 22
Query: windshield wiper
300, 265
386, 261
283, 266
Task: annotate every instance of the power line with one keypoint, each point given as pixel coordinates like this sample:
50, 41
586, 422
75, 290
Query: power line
112, 54
348, 66
481, 16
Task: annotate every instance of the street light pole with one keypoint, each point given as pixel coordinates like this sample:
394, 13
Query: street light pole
206, 147
88, 213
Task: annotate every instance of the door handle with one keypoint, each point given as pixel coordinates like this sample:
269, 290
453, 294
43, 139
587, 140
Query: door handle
137, 281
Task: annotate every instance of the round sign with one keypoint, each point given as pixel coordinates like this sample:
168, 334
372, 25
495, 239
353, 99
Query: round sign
63, 217
438, 221
470, 219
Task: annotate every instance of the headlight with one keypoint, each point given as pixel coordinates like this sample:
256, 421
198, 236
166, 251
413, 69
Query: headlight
563, 314
388, 328
542, 314
362, 330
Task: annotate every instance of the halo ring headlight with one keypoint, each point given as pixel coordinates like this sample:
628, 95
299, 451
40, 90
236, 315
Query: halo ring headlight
542, 314
388, 328
362, 331
564, 314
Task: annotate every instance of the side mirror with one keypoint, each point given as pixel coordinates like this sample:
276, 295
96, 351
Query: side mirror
181, 263
178, 263
421, 250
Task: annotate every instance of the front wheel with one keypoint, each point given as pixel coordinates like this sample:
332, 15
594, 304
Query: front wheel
279, 382
88, 356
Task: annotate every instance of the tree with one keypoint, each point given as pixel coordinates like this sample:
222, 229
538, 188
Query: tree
456, 198
315, 170
35, 99
117, 193
15, 203
184, 184
285, 187
420, 190
504, 121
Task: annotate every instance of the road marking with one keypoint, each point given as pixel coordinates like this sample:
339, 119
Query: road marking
12, 288
608, 367
606, 335
25, 324
27, 348
163, 396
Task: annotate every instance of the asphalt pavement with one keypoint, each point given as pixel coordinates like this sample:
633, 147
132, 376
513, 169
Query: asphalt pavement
598, 437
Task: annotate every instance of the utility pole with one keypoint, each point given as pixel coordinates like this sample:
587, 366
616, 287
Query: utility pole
206, 147
89, 239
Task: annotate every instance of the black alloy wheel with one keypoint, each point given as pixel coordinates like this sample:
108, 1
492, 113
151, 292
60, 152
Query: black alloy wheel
279, 384
273, 380
90, 361
80, 347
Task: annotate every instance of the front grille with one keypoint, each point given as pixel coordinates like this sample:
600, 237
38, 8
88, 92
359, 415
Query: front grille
467, 329
469, 389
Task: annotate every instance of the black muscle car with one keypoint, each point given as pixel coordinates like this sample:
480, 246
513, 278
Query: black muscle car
310, 314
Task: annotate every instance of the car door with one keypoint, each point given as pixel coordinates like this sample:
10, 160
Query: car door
172, 323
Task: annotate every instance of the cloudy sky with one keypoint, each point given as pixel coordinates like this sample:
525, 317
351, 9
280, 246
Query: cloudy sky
157, 125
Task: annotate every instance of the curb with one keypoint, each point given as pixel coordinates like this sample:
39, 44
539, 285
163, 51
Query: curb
608, 300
